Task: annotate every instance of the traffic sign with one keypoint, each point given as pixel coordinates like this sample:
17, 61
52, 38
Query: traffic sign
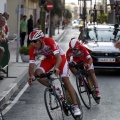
49, 5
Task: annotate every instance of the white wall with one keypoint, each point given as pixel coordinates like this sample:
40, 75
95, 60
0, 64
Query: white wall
2, 6
12, 9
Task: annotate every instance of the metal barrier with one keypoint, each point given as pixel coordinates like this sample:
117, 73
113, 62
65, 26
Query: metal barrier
6, 57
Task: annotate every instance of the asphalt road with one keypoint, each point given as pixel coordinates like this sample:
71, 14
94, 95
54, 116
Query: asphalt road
31, 106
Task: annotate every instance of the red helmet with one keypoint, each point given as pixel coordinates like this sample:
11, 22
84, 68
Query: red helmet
74, 43
36, 34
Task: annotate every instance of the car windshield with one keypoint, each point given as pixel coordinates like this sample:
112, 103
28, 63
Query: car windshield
100, 34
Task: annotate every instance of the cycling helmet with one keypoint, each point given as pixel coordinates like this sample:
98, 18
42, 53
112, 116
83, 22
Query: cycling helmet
74, 43
36, 34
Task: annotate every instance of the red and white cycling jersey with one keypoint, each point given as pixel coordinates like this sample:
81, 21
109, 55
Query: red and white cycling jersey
82, 54
50, 49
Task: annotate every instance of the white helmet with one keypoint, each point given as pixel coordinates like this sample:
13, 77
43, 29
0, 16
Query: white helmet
74, 43
36, 34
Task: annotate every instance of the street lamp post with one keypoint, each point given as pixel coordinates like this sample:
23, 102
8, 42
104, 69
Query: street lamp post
18, 39
84, 13
79, 3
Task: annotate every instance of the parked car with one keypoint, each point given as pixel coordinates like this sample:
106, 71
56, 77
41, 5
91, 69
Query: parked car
75, 24
99, 40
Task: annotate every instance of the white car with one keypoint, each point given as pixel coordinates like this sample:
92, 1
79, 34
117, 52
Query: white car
75, 24
99, 40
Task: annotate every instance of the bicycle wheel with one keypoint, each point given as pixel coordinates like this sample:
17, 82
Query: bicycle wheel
92, 89
83, 92
1, 116
53, 105
70, 102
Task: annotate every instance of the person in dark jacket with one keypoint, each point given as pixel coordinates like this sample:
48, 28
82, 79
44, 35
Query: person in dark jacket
30, 28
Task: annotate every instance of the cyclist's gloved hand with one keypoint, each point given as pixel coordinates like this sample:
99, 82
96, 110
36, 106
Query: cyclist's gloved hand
57, 71
87, 66
72, 64
31, 79
117, 44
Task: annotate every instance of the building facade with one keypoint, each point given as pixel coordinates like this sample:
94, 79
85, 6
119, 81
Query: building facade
27, 7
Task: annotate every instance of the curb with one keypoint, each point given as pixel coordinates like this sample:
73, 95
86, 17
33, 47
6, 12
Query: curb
10, 90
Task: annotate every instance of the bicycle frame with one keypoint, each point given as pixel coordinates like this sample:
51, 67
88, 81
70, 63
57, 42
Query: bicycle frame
64, 100
83, 73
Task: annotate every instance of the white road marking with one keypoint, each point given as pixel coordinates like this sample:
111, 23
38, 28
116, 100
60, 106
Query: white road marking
15, 99
62, 36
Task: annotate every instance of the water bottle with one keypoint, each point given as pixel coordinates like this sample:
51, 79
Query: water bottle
86, 80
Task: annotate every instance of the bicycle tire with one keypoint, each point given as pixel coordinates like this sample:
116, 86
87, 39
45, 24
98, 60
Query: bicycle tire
1, 115
92, 89
70, 102
53, 105
83, 92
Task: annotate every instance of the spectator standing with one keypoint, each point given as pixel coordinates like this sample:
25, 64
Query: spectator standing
29, 28
23, 29
2, 39
38, 23
6, 15
63, 24
47, 24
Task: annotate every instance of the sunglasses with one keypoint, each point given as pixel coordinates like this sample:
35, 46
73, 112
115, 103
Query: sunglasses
34, 41
74, 49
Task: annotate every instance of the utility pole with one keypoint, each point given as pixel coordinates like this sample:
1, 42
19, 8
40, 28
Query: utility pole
95, 13
79, 3
18, 38
84, 13
42, 15
42, 18
105, 6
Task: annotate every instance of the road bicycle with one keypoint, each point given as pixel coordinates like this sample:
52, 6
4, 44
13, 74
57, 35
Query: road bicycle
1, 115
84, 84
58, 102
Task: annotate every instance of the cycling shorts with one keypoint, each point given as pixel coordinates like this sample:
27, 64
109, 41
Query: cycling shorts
91, 67
47, 64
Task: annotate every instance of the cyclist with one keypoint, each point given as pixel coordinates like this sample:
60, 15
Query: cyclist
78, 52
54, 58
117, 44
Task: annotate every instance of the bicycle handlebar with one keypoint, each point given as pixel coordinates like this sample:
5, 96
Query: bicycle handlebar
45, 74
80, 65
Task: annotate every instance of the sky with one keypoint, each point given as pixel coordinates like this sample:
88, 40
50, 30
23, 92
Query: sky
69, 1
76, 1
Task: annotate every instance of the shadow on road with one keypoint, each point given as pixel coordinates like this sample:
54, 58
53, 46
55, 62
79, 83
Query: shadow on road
108, 72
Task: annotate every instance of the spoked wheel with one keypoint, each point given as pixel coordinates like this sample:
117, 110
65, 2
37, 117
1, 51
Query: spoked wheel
92, 91
1, 116
97, 100
70, 102
80, 106
83, 92
53, 106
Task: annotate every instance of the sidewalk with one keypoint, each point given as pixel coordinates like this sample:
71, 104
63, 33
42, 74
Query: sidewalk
17, 73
